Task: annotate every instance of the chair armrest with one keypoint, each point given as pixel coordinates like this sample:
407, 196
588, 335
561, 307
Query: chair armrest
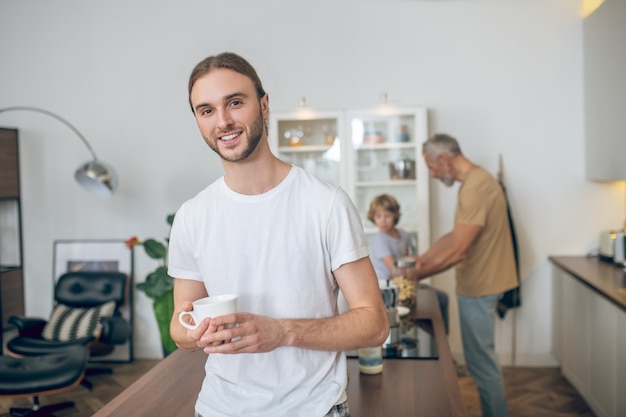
115, 330
28, 326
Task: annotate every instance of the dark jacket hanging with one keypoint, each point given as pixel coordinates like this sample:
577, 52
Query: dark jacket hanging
511, 298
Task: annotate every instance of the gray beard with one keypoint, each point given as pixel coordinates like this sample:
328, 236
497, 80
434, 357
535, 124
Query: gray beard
447, 181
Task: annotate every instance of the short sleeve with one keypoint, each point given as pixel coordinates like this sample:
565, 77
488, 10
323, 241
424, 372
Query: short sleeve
345, 235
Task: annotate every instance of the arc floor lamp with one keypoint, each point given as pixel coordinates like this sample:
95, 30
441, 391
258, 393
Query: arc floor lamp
96, 177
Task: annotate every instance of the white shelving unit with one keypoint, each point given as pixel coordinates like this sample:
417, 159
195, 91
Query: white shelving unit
381, 137
311, 140
355, 148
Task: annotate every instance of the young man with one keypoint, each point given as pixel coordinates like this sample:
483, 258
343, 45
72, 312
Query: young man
285, 242
481, 248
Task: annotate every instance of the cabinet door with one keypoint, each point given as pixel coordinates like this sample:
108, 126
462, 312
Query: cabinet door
576, 332
602, 337
386, 158
9, 170
620, 368
311, 140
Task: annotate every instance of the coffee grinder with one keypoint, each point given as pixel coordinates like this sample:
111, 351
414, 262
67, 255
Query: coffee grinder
390, 292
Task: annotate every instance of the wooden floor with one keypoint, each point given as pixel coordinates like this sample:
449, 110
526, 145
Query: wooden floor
105, 388
531, 392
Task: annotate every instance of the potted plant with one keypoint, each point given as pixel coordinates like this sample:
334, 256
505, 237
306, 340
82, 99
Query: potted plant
159, 286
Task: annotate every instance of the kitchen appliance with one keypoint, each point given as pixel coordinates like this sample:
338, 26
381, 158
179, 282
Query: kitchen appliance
418, 342
402, 169
613, 247
390, 292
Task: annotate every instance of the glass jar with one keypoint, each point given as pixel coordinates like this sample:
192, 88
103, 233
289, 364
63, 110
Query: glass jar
403, 277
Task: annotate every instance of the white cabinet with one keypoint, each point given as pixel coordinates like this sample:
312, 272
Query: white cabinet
620, 366
311, 140
386, 158
590, 341
575, 342
604, 62
367, 152
603, 345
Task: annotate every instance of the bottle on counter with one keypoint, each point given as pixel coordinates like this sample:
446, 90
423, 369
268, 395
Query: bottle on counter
371, 360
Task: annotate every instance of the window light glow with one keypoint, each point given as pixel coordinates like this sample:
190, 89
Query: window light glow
589, 6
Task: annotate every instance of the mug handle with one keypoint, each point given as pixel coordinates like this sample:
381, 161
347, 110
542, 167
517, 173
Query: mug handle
186, 324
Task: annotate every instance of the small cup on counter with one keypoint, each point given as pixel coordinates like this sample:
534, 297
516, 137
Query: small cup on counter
371, 360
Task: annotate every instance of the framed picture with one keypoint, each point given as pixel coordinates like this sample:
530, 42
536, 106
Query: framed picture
100, 255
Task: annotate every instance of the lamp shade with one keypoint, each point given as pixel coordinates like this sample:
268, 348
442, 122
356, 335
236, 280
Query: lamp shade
95, 177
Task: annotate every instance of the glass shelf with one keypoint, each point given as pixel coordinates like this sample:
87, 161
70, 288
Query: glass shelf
317, 132
311, 140
387, 183
377, 146
303, 148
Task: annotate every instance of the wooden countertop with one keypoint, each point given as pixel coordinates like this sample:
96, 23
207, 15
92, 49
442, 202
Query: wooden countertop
405, 388
606, 279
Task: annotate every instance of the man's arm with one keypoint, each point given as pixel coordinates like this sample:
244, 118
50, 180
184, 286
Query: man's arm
365, 324
186, 291
389, 262
448, 250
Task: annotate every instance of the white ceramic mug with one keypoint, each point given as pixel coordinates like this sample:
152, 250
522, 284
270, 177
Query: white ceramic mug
212, 306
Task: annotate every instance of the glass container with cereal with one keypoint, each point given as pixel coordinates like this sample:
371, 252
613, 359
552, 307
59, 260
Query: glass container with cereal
403, 277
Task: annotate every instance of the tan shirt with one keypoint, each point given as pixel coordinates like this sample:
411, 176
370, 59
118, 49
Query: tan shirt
489, 267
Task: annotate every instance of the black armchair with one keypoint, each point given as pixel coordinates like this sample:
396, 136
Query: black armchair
86, 313
36, 376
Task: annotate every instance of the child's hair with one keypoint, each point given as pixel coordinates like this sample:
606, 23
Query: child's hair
384, 202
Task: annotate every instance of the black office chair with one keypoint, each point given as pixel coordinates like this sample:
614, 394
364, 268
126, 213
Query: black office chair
86, 313
36, 376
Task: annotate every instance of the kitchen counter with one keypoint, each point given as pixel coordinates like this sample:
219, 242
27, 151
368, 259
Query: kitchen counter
406, 387
606, 279
589, 330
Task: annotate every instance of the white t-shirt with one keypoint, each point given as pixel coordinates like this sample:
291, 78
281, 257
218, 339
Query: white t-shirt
276, 251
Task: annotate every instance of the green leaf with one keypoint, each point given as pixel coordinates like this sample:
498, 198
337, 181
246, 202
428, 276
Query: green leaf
157, 283
155, 249
170, 219
163, 311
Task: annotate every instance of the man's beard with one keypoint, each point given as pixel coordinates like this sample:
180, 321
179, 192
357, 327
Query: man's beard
447, 180
256, 133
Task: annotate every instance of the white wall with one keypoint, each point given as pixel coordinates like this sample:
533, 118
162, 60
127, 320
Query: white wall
505, 77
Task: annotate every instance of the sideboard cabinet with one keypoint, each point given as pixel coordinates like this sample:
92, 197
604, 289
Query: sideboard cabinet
589, 331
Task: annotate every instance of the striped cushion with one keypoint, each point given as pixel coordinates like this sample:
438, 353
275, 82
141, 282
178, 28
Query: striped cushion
70, 323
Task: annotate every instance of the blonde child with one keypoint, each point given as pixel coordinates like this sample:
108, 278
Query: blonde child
391, 243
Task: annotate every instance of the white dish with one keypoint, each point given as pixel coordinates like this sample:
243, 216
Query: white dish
402, 311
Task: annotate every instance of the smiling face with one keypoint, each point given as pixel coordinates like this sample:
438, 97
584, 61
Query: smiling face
229, 113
